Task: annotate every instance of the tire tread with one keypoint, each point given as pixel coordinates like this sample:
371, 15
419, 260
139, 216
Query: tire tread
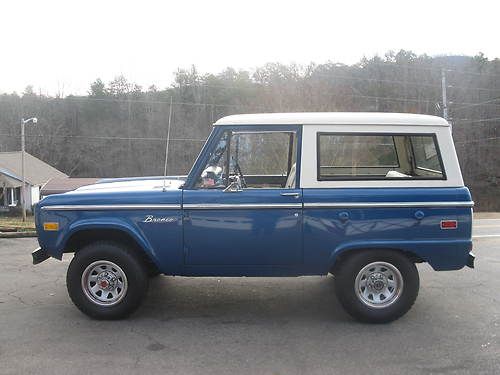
345, 274
127, 259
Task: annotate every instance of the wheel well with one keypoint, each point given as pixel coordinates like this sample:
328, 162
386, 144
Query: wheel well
412, 257
85, 237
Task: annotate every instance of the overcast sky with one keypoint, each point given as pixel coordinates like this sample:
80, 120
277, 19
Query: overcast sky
63, 45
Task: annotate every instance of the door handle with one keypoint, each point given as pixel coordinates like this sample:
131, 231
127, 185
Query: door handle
296, 195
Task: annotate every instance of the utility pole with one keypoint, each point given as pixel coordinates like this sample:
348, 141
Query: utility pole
34, 120
443, 88
167, 143
23, 192
129, 127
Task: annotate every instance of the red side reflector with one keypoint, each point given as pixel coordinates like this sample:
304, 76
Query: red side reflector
449, 224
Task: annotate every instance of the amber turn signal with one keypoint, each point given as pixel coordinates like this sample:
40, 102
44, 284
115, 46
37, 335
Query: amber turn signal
50, 226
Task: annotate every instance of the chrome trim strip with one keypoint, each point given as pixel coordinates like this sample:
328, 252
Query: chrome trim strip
236, 206
102, 207
386, 204
243, 206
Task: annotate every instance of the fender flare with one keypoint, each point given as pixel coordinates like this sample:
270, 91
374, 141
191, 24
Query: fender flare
400, 246
109, 223
441, 254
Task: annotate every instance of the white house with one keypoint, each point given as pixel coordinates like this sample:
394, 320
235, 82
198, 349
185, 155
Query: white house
37, 173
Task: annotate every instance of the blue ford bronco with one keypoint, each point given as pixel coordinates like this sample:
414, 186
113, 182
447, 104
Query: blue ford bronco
363, 196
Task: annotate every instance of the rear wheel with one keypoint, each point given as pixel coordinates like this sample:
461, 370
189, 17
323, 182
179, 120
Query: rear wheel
376, 286
106, 280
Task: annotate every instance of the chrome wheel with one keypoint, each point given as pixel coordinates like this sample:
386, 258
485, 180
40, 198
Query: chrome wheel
104, 283
379, 284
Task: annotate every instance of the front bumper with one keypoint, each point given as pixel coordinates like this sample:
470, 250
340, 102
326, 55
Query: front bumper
39, 255
470, 260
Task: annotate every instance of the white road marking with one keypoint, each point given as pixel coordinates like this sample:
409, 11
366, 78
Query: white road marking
486, 235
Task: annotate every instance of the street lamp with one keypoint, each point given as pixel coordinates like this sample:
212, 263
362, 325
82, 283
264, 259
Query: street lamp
33, 120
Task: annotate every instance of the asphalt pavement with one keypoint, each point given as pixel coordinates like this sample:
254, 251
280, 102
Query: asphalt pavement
250, 325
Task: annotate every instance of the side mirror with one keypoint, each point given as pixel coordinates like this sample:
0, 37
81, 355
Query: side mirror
234, 186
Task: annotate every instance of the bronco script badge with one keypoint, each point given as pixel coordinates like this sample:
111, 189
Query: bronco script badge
158, 219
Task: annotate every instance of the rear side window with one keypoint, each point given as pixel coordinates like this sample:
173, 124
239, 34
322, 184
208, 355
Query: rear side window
425, 153
372, 156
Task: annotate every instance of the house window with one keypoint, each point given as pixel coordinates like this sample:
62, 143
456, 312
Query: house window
371, 156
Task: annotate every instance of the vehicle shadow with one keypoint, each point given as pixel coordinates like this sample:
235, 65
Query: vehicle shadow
242, 300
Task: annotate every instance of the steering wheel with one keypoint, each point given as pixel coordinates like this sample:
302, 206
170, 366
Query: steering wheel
237, 169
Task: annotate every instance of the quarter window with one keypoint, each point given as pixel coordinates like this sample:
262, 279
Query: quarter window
425, 153
359, 156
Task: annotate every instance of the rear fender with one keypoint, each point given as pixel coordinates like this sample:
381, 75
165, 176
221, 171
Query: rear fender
441, 255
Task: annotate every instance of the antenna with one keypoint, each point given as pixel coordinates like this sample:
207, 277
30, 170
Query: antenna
166, 146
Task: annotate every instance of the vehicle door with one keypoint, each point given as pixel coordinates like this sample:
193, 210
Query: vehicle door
244, 207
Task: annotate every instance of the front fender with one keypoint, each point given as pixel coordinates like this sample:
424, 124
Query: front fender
440, 254
104, 223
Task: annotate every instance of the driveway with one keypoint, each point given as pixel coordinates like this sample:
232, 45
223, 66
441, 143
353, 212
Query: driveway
250, 325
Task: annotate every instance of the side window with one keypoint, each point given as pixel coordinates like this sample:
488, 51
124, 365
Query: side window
345, 151
358, 156
425, 153
259, 159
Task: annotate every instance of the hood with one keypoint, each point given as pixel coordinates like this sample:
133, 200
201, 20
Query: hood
130, 186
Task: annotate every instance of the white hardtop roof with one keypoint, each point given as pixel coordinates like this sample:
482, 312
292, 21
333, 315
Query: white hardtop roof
333, 118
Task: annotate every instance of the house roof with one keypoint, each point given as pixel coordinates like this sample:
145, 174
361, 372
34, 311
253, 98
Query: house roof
333, 118
37, 172
59, 185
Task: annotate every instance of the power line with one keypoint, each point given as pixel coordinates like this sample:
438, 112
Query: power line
316, 74
375, 80
163, 139
390, 98
472, 121
432, 69
396, 65
244, 105
255, 86
467, 105
254, 107
476, 140
202, 104
472, 73
152, 102
473, 88
117, 100
326, 75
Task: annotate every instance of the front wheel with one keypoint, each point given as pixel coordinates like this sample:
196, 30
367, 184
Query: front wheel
376, 286
106, 280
